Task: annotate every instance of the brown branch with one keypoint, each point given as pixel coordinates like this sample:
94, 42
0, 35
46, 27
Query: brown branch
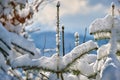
38, 4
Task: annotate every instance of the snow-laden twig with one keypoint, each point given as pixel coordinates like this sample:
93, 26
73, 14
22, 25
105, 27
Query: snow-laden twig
76, 35
50, 64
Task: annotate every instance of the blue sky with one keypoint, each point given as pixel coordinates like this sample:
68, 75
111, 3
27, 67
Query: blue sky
75, 15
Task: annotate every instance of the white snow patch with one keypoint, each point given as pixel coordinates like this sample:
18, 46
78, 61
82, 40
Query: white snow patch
103, 51
102, 24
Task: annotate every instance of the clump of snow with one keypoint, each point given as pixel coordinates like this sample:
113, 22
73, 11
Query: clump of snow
90, 58
85, 47
84, 68
98, 65
111, 68
102, 24
24, 44
67, 58
79, 50
76, 34
21, 61
103, 51
49, 50
46, 62
102, 35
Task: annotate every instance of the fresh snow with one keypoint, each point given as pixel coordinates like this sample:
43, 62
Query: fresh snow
107, 62
76, 34
20, 42
102, 66
51, 63
84, 68
90, 58
103, 51
22, 60
102, 24
111, 67
102, 35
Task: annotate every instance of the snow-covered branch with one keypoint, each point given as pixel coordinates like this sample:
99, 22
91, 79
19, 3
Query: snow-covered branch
50, 64
101, 28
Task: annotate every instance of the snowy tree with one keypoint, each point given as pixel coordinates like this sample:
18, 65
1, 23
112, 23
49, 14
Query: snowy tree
107, 63
14, 16
17, 52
